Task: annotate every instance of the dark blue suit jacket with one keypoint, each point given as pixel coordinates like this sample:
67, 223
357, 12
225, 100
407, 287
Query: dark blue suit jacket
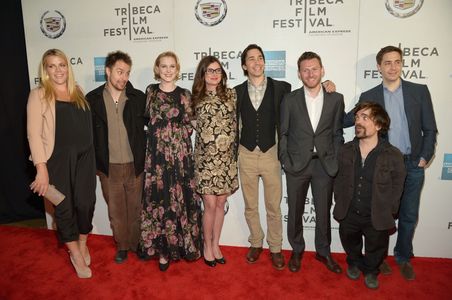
419, 114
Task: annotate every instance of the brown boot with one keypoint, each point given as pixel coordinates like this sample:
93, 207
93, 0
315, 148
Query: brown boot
278, 261
253, 254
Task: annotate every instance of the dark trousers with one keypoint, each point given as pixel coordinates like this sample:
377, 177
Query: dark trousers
376, 242
297, 189
76, 179
122, 191
409, 210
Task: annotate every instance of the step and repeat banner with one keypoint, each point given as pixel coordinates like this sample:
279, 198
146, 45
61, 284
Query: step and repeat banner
347, 34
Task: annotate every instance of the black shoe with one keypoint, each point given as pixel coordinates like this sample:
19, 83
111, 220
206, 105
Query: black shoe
294, 264
329, 262
210, 263
220, 261
371, 281
163, 267
121, 256
353, 272
142, 255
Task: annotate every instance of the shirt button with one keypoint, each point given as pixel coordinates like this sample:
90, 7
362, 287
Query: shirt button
360, 177
359, 185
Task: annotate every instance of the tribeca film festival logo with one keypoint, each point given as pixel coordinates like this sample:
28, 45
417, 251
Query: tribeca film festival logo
403, 8
313, 17
275, 62
308, 215
53, 24
210, 13
134, 23
225, 57
411, 62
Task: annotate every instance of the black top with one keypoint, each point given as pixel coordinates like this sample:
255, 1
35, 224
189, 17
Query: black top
364, 172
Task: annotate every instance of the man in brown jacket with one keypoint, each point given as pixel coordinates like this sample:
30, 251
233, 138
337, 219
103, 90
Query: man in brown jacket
367, 192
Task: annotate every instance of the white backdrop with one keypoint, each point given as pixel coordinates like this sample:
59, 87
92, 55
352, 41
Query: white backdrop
347, 34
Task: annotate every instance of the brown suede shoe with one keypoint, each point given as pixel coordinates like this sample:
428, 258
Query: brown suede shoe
253, 254
277, 261
295, 262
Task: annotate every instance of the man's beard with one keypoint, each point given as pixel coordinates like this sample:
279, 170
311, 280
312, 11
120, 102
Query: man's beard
361, 133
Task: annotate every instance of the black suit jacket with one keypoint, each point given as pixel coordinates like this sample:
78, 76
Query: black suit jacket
298, 137
133, 118
280, 88
419, 113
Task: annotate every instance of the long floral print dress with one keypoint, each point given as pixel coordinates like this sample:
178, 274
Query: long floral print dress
215, 146
171, 218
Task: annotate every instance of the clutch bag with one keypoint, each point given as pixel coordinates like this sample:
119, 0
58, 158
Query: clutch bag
54, 195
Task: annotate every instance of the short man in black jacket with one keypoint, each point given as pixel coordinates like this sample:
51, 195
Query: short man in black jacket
118, 122
367, 192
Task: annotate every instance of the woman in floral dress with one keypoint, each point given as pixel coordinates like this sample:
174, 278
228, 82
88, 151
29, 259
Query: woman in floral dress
215, 150
171, 216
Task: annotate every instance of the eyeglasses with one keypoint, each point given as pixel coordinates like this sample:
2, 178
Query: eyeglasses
213, 71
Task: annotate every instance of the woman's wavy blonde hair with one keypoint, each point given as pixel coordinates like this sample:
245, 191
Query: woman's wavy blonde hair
75, 93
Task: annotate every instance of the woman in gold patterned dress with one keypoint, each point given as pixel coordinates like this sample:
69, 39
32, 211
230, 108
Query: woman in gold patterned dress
215, 150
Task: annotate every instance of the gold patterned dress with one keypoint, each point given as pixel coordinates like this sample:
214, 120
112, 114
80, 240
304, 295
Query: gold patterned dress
215, 145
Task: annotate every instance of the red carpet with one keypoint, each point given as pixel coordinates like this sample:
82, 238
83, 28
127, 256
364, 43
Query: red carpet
34, 266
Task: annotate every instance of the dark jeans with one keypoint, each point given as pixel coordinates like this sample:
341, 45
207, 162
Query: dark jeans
376, 242
409, 211
122, 191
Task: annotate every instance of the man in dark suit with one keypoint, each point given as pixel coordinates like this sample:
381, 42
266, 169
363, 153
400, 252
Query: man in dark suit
367, 192
413, 131
258, 109
311, 133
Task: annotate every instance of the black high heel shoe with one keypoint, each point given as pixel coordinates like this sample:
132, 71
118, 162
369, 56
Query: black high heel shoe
210, 263
163, 267
220, 261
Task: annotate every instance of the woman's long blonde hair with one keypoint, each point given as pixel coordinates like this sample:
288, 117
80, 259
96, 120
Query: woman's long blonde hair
75, 93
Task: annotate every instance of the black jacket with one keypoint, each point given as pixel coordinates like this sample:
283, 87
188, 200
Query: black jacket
387, 184
133, 118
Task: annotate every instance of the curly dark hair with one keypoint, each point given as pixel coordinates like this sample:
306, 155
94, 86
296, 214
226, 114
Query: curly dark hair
113, 57
377, 113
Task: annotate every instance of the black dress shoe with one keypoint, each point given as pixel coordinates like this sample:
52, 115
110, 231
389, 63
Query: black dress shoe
329, 262
142, 255
295, 262
220, 261
210, 263
163, 267
121, 256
